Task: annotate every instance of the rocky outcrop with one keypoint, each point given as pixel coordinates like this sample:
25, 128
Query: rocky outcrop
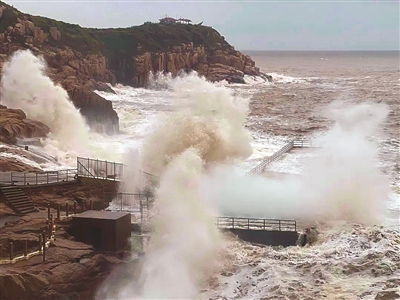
79, 73
83, 59
223, 62
14, 124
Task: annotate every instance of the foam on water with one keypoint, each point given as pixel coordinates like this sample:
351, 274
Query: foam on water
349, 261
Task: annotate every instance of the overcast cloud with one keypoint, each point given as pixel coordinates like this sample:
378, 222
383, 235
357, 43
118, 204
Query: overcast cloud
273, 25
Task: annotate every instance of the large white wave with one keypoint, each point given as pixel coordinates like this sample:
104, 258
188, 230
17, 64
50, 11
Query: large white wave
25, 85
207, 118
341, 181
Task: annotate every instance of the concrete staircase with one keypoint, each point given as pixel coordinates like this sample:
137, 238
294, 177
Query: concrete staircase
17, 199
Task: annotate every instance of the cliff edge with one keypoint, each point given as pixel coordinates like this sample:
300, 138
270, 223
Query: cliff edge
82, 60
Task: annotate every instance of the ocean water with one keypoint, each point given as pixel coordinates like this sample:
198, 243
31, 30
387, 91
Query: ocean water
348, 101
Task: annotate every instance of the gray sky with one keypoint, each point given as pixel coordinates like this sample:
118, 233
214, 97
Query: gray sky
256, 25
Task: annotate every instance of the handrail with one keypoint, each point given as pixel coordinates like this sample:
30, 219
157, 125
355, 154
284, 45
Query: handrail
102, 166
297, 143
102, 196
266, 161
37, 178
256, 224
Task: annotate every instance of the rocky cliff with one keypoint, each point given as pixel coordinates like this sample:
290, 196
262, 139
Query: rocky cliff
77, 69
84, 59
134, 52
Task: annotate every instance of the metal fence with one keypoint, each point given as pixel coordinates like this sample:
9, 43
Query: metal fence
19, 178
101, 169
261, 167
299, 143
256, 224
131, 202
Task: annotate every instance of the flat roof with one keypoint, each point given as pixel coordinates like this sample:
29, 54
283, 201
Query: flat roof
101, 214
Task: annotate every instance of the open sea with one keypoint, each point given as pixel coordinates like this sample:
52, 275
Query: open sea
349, 102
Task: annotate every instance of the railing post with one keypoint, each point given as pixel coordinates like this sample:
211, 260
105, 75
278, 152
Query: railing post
36, 179
40, 242
141, 211
58, 211
24, 178
248, 224
57, 175
233, 223
66, 209
264, 224
48, 211
44, 245
47, 177
25, 247
67, 174
11, 250
279, 225
49, 228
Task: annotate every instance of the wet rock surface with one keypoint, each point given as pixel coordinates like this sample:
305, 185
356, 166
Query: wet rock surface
72, 270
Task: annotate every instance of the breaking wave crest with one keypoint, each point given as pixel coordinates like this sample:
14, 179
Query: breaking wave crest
25, 85
207, 118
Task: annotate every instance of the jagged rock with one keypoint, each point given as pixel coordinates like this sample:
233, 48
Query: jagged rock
55, 34
97, 111
14, 124
39, 37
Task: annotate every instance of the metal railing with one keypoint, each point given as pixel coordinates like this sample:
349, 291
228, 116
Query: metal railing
134, 203
131, 202
256, 224
266, 161
100, 169
37, 178
299, 143
302, 143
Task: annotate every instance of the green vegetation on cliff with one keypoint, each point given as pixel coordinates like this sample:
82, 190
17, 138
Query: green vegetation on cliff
152, 37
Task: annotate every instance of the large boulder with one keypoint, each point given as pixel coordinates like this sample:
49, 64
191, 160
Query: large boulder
14, 124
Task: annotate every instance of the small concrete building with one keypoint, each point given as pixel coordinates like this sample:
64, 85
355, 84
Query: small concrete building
105, 230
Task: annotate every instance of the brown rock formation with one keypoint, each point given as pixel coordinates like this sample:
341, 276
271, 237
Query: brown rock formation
221, 63
66, 66
83, 59
14, 124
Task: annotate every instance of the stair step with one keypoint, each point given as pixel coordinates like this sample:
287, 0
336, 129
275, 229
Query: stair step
17, 199
27, 211
22, 204
11, 190
15, 195
18, 202
21, 209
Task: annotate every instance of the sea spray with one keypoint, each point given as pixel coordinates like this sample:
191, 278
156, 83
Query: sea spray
341, 182
184, 241
205, 130
207, 118
24, 85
